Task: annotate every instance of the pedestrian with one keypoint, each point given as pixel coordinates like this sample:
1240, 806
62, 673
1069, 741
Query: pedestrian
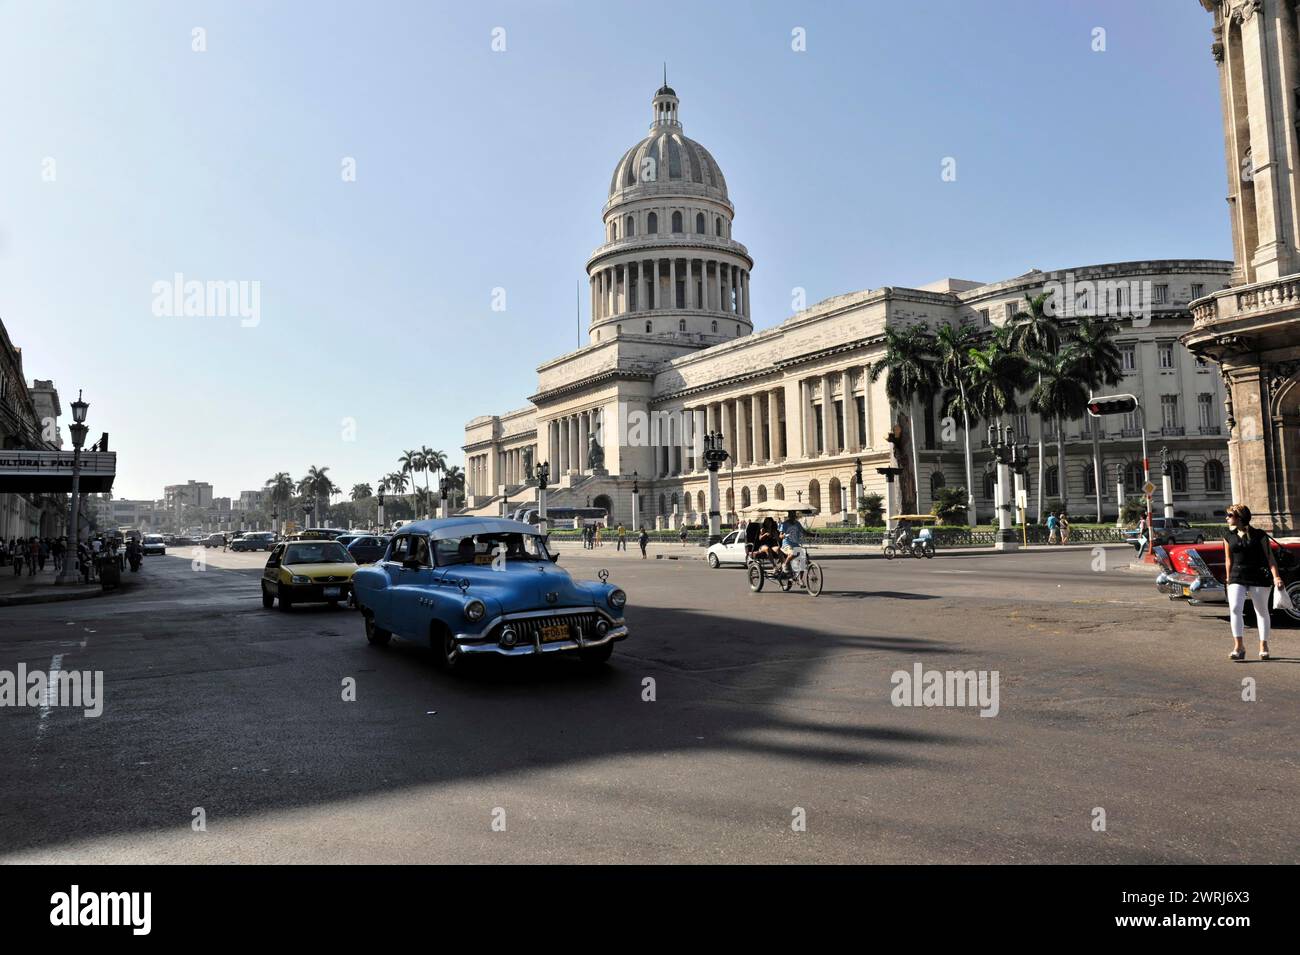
682, 535
643, 540
599, 541
622, 538
1141, 536
16, 555
57, 551
33, 555
1051, 528
1063, 527
45, 552
1248, 565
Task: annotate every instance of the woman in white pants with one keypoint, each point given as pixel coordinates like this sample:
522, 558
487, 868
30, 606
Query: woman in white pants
1248, 565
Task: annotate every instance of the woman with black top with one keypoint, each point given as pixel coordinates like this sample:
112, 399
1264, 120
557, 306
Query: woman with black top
1248, 565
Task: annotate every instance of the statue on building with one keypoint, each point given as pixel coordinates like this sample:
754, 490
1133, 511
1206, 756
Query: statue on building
528, 465
595, 453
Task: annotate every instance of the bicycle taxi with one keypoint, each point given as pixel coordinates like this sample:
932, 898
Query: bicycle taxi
911, 536
760, 568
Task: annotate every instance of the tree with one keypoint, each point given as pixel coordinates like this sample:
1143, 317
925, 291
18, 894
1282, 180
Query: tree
316, 484
280, 488
871, 507
411, 463
1060, 395
908, 366
455, 482
1036, 333
434, 461
953, 347
1098, 362
950, 505
361, 491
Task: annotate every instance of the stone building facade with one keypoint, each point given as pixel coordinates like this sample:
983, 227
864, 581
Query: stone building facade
1251, 329
29, 418
672, 355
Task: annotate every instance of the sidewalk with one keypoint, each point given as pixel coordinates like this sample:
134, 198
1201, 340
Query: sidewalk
694, 551
40, 588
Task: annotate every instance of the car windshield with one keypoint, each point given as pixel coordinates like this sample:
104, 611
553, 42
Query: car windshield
321, 552
154, 539
485, 548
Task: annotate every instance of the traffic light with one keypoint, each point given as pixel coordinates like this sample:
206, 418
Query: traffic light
1115, 404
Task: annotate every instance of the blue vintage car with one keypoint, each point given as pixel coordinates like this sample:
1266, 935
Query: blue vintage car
470, 585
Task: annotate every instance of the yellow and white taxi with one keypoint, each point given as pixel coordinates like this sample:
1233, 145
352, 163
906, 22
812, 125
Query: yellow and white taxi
307, 571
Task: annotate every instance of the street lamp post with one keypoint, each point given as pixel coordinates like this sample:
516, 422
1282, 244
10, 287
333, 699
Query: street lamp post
307, 509
1020, 470
78, 429
1166, 483
1004, 452
443, 510
543, 476
636, 504
1119, 495
857, 490
379, 516
714, 456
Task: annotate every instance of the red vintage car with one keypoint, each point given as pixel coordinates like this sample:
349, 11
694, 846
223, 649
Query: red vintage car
1194, 572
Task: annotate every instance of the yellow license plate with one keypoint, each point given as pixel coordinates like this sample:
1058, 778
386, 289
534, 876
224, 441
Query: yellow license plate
554, 632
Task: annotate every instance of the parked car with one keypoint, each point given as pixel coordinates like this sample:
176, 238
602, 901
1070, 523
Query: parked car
153, 544
307, 572
1195, 573
1168, 530
215, 540
729, 550
366, 549
468, 586
253, 540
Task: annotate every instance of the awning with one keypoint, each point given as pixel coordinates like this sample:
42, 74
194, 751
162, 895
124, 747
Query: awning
50, 472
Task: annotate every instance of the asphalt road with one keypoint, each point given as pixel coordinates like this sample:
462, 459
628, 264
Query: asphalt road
1110, 698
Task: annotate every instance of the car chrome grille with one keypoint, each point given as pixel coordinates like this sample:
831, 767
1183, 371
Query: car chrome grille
329, 580
529, 629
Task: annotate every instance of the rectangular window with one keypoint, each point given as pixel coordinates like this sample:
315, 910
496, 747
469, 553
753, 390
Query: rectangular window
1166, 351
1013, 309
861, 401
1160, 294
1169, 411
1198, 290
984, 316
1131, 424
1022, 427
1128, 358
1205, 411
820, 425
839, 425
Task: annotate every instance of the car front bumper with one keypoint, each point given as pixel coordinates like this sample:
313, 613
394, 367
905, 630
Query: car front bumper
603, 629
314, 593
1193, 588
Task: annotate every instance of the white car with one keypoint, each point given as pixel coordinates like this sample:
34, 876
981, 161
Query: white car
729, 550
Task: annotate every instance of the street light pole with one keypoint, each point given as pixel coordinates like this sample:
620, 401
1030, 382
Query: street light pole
636, 503
543, 476
78, 429
379, 516
714, 455
443, 510
1004, 445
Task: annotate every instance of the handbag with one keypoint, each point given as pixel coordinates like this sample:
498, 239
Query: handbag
1282, 600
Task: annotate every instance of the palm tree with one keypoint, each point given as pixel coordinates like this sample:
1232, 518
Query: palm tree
1098, 362
1036, 334
455, 481
410, 462
953, 346
1058, 394
433, 461
909, 375
361, 491
280, 488
317, 484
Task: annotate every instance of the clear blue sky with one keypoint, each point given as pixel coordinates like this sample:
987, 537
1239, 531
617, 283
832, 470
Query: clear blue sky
478, 169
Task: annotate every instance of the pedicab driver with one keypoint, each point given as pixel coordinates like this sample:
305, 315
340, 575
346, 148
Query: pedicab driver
792, 533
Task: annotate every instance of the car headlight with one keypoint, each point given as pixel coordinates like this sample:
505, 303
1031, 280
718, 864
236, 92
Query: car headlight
474, 610
617, 599
299, 579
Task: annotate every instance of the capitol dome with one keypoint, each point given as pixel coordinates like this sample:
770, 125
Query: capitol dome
669, 266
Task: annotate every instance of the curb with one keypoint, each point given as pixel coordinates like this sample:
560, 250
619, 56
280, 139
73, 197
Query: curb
23, 600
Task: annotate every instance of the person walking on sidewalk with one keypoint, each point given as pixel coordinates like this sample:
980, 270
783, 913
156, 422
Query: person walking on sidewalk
16, 555
643, 540
1063, 527
1248, 565
1051, 528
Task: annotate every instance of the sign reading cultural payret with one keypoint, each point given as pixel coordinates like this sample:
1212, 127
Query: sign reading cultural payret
24, 472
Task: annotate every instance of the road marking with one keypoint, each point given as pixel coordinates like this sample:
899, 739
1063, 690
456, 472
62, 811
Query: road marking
952, 571
56, 664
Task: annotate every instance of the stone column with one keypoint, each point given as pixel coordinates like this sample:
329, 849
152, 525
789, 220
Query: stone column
584, 428
659, 297
697, 439
807, 418
742, 432
672, 282
756, 423
829, 424
643, 296
850, 412
774, 425
728, 426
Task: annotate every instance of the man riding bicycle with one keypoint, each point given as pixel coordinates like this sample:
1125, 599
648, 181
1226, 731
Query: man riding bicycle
792, 534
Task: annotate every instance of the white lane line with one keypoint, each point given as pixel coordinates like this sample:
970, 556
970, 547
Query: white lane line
952, 571
56, 664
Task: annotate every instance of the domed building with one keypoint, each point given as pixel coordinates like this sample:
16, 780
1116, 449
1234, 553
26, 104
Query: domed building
672, 355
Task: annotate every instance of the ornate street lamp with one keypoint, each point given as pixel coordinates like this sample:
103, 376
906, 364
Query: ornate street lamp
543, 472
1003, 444
78, 429
380, 515
443, 486
636, 503
714, 456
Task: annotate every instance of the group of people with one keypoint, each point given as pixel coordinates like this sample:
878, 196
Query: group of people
30, 555
591, 536
780, 543
1058, 528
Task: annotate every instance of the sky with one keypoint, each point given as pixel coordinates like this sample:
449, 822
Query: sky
128, 156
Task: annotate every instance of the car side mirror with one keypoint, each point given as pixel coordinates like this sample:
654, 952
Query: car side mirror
555, 558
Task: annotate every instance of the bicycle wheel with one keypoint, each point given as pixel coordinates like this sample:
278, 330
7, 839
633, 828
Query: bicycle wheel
889, 552
929, 550
756, 575
812, 580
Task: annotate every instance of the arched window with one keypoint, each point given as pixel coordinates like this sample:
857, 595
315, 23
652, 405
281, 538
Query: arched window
629, 227
937, 483
717, 225
815, 494
1051, 484
699, 500
1214, 477
835, 495
699, 222
1133, 477
715, 326
1178, 476
677, 222
613, 231
649, 327
762, 493
990, 485
672, 501
1089, 479
618, 330
652, 223
662, 503
681, 324
744, 497
778, 491
731, 500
